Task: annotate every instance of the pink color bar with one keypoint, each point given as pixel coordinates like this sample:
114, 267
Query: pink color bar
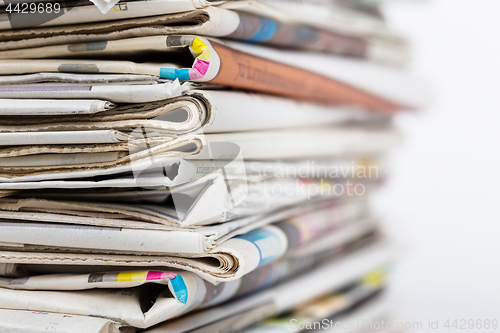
201, 66
155, 275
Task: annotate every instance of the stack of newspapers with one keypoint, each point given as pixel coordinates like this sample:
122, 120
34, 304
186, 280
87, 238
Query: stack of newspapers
195, 165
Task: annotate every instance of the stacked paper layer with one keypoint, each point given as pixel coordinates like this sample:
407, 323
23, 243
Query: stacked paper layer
162, 172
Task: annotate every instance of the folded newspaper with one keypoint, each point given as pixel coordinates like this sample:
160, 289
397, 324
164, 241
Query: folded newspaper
223, 191
234, 256
318, 313
168, 293
240, 313
285, 73
46, 155
248, 21
19, 321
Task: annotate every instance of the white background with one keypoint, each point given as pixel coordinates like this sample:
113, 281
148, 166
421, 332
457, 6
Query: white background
442, 201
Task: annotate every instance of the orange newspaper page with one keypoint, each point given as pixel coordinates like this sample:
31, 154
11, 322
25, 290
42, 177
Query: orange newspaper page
242, 70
